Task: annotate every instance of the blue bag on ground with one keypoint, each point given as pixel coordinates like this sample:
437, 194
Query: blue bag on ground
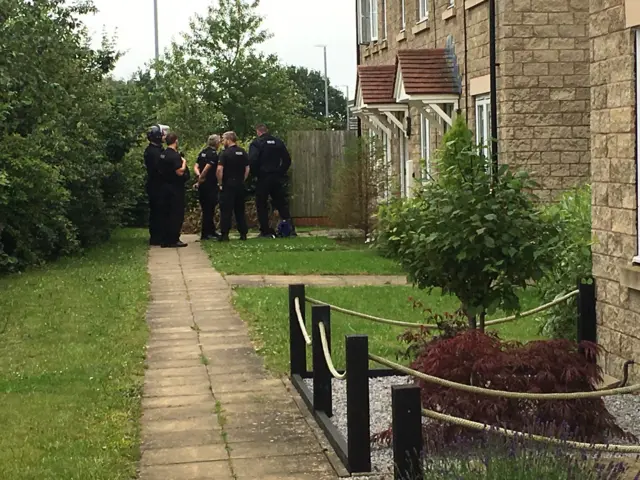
284, 229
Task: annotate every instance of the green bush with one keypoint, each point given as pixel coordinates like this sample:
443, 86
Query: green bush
571, 247
474, 236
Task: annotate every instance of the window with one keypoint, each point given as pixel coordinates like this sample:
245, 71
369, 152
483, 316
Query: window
403, 13
452, 3
374, 20
483, 125
368, 21
423, 10
425, 146
384, 19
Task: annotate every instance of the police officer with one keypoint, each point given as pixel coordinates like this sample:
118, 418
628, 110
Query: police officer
174, 171
232, 172
156, 137
270, 162
205, 170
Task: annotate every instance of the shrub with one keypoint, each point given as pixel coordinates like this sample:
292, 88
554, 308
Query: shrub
476, 358
571, 248
359, 183
474, 236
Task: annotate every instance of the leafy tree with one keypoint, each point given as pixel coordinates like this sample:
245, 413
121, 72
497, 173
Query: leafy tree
311, 85
217, 77
478, 238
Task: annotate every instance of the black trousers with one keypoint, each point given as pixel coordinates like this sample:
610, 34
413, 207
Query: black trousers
154, 193
173, 203
232, 200
208, 196
271, 186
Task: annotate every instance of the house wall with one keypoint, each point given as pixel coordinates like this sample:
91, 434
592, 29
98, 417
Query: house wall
543, 88
613, 157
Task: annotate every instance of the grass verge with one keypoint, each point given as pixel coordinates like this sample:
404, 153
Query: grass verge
299, 256
71, 365
266, 310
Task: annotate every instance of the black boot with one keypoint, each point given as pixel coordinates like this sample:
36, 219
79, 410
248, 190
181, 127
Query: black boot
223, 238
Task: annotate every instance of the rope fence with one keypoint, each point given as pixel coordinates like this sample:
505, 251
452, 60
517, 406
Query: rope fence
305, 334
538, 438
501, 393
427, 326
327, 354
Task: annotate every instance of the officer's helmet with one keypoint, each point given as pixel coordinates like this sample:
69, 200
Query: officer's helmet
155, 134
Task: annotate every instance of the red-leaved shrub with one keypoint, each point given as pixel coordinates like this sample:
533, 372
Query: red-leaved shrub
482, 359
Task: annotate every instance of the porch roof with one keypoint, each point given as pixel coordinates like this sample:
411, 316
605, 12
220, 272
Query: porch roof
425, 72
375, 84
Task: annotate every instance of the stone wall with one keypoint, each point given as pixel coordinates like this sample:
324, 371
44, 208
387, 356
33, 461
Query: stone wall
613, 157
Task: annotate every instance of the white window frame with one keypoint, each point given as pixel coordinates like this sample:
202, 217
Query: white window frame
364, 22
483, 130
452, 3
403, 15
425, 146
423, 10
636, 259
375, 29
385, 27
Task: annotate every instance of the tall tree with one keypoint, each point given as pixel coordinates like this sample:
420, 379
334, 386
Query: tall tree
311, 85
218, 68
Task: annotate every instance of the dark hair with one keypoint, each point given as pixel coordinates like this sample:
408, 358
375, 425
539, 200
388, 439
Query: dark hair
262, 128
171, 139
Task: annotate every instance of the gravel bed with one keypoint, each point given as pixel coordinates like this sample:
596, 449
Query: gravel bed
380, 412
625, 408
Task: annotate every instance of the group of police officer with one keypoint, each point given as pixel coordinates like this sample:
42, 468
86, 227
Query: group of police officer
221, 178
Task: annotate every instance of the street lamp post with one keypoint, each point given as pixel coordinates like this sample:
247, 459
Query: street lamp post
348, 110
326, 84
155, 25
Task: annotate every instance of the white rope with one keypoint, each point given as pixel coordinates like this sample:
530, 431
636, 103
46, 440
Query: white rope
463, 422
327, 354
307, 339
534, 311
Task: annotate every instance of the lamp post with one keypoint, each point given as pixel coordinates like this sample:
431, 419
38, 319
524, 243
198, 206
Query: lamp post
155, 25
326, 84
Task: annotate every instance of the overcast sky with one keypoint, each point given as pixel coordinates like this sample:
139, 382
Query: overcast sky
296, 25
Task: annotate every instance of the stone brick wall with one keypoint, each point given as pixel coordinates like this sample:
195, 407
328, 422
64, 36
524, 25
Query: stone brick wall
613, 158
544, 91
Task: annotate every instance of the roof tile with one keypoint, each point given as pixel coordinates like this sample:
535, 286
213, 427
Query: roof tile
376, 82
428, 72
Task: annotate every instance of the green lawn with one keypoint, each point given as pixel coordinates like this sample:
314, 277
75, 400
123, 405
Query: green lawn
266, 310
71, 361
299, 256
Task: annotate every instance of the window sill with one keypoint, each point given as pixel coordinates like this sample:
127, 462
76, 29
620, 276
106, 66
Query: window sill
630, 276
469, 4
421, 26
383, 45
449, 13
402, 36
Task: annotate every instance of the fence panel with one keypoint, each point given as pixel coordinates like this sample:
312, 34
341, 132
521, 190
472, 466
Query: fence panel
315, 155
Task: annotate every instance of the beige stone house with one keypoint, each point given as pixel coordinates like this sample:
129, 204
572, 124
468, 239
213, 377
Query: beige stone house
615, 122
421, 60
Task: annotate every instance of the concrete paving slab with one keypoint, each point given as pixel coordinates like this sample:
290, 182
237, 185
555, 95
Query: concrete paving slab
197, 410
259, 467
176, 372
314, 280
294, 446
192, 380
185, 438
162, 426
150, 403
219, 470
159, 364
178, 455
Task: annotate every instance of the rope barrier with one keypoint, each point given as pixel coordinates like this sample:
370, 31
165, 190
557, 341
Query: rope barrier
534, 311
501, 393
307, 339
538, 438
387, 321
327, 355
398, 323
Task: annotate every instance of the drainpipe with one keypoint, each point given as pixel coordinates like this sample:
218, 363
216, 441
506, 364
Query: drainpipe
357, 61
494, 85
466, 66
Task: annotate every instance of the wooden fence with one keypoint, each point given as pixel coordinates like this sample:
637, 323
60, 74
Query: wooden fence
315, 155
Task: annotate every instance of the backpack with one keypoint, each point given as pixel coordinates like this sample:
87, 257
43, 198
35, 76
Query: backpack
284, 229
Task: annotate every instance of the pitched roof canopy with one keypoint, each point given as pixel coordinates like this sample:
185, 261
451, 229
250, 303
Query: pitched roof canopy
427, 72
376, 83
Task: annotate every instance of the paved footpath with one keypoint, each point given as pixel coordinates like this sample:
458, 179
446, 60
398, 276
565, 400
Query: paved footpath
314, 280
210, 409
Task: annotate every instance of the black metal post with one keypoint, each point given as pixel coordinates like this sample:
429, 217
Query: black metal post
322, 399
358, 421
297, 345
407, 432
493, 67
587, 326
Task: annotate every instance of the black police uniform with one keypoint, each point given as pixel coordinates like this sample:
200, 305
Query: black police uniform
270, 162
154, 192
208, 191
173, 196
232, 194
